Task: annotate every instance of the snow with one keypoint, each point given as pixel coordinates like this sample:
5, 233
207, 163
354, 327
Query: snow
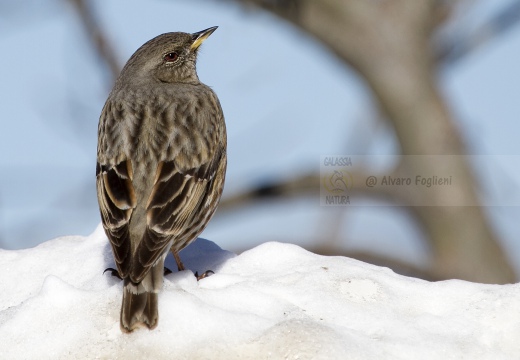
275, 301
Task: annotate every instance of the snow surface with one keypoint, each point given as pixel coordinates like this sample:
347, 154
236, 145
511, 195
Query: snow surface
276, 301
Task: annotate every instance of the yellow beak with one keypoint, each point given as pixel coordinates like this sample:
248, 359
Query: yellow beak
199, 37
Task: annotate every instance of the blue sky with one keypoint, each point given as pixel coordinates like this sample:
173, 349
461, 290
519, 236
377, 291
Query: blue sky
287, 102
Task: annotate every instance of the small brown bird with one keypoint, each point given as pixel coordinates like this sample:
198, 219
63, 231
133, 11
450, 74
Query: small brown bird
161, 163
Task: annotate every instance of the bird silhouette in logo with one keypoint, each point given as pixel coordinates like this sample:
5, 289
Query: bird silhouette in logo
338, 182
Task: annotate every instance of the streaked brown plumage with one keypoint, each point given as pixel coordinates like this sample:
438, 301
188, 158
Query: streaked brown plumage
161, 163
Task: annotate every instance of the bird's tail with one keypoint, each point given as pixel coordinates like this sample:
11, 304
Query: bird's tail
140, 305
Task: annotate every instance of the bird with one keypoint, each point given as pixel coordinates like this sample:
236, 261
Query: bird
161, 165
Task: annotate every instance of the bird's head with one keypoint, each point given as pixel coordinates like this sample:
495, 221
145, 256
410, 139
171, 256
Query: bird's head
167, 58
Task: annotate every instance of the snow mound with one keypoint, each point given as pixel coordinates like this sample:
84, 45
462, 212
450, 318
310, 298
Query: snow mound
276, 301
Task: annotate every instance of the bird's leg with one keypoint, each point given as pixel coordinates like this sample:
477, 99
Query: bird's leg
113, 272
180, 265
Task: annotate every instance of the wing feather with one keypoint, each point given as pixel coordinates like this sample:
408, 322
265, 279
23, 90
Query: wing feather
116, 202
174, 203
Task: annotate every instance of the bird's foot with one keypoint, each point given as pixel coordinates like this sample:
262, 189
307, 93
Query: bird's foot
113, 272
204, 274
199, 277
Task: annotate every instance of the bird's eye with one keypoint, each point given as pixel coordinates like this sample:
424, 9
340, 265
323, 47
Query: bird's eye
171, 57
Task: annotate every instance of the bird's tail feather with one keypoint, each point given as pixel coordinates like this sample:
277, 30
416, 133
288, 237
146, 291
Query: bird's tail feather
140, 304
138, 310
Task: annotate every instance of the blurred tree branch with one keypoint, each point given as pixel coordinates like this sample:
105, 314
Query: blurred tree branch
308, 184
454, 49
389, 44
99, 40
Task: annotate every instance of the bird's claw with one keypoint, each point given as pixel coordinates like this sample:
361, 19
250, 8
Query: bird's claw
167, 271
113, 272
204, 274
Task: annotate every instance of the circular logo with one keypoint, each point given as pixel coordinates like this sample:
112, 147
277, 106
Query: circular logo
339, 181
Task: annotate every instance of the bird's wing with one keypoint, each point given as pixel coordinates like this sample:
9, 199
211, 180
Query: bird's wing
180, 204
117, 199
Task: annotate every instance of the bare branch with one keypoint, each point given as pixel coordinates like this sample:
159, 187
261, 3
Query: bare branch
389, 44
459, 47
308, 184
98, 39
